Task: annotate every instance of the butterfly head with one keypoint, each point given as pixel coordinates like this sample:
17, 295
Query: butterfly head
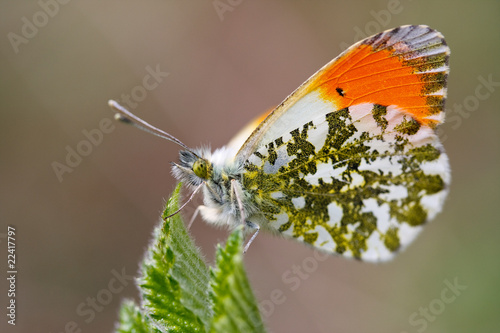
192, 169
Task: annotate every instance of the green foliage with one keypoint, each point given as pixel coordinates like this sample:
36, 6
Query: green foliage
181, 294
132, 320
230, 291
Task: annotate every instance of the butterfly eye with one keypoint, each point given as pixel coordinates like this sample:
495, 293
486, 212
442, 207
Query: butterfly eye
201, 168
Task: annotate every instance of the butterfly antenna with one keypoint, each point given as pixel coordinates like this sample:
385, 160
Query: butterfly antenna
184, 205
127, 117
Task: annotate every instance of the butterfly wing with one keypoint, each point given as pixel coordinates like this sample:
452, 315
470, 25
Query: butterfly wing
350, 162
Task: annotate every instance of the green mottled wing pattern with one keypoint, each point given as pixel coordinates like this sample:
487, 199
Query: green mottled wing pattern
360, 181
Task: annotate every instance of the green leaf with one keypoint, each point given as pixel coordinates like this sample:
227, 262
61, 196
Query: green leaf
180, 294
175, 278
132, 319
234, 305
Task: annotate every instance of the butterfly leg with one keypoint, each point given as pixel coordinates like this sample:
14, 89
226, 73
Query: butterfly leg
236, 190
196, 211
184, 205
253, 226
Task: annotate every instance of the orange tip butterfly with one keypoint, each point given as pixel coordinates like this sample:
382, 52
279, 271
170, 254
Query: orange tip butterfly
349, 163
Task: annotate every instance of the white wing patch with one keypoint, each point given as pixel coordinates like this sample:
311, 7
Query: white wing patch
310, 104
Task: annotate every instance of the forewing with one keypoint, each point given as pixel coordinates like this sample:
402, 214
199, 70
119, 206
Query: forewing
406, 66
350, 162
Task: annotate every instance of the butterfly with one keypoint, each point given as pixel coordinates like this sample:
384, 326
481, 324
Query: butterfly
349, 163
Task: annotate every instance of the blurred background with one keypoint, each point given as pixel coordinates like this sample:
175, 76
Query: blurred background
84, 193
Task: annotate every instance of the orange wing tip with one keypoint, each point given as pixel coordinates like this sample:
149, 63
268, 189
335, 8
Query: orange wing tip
406, 67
